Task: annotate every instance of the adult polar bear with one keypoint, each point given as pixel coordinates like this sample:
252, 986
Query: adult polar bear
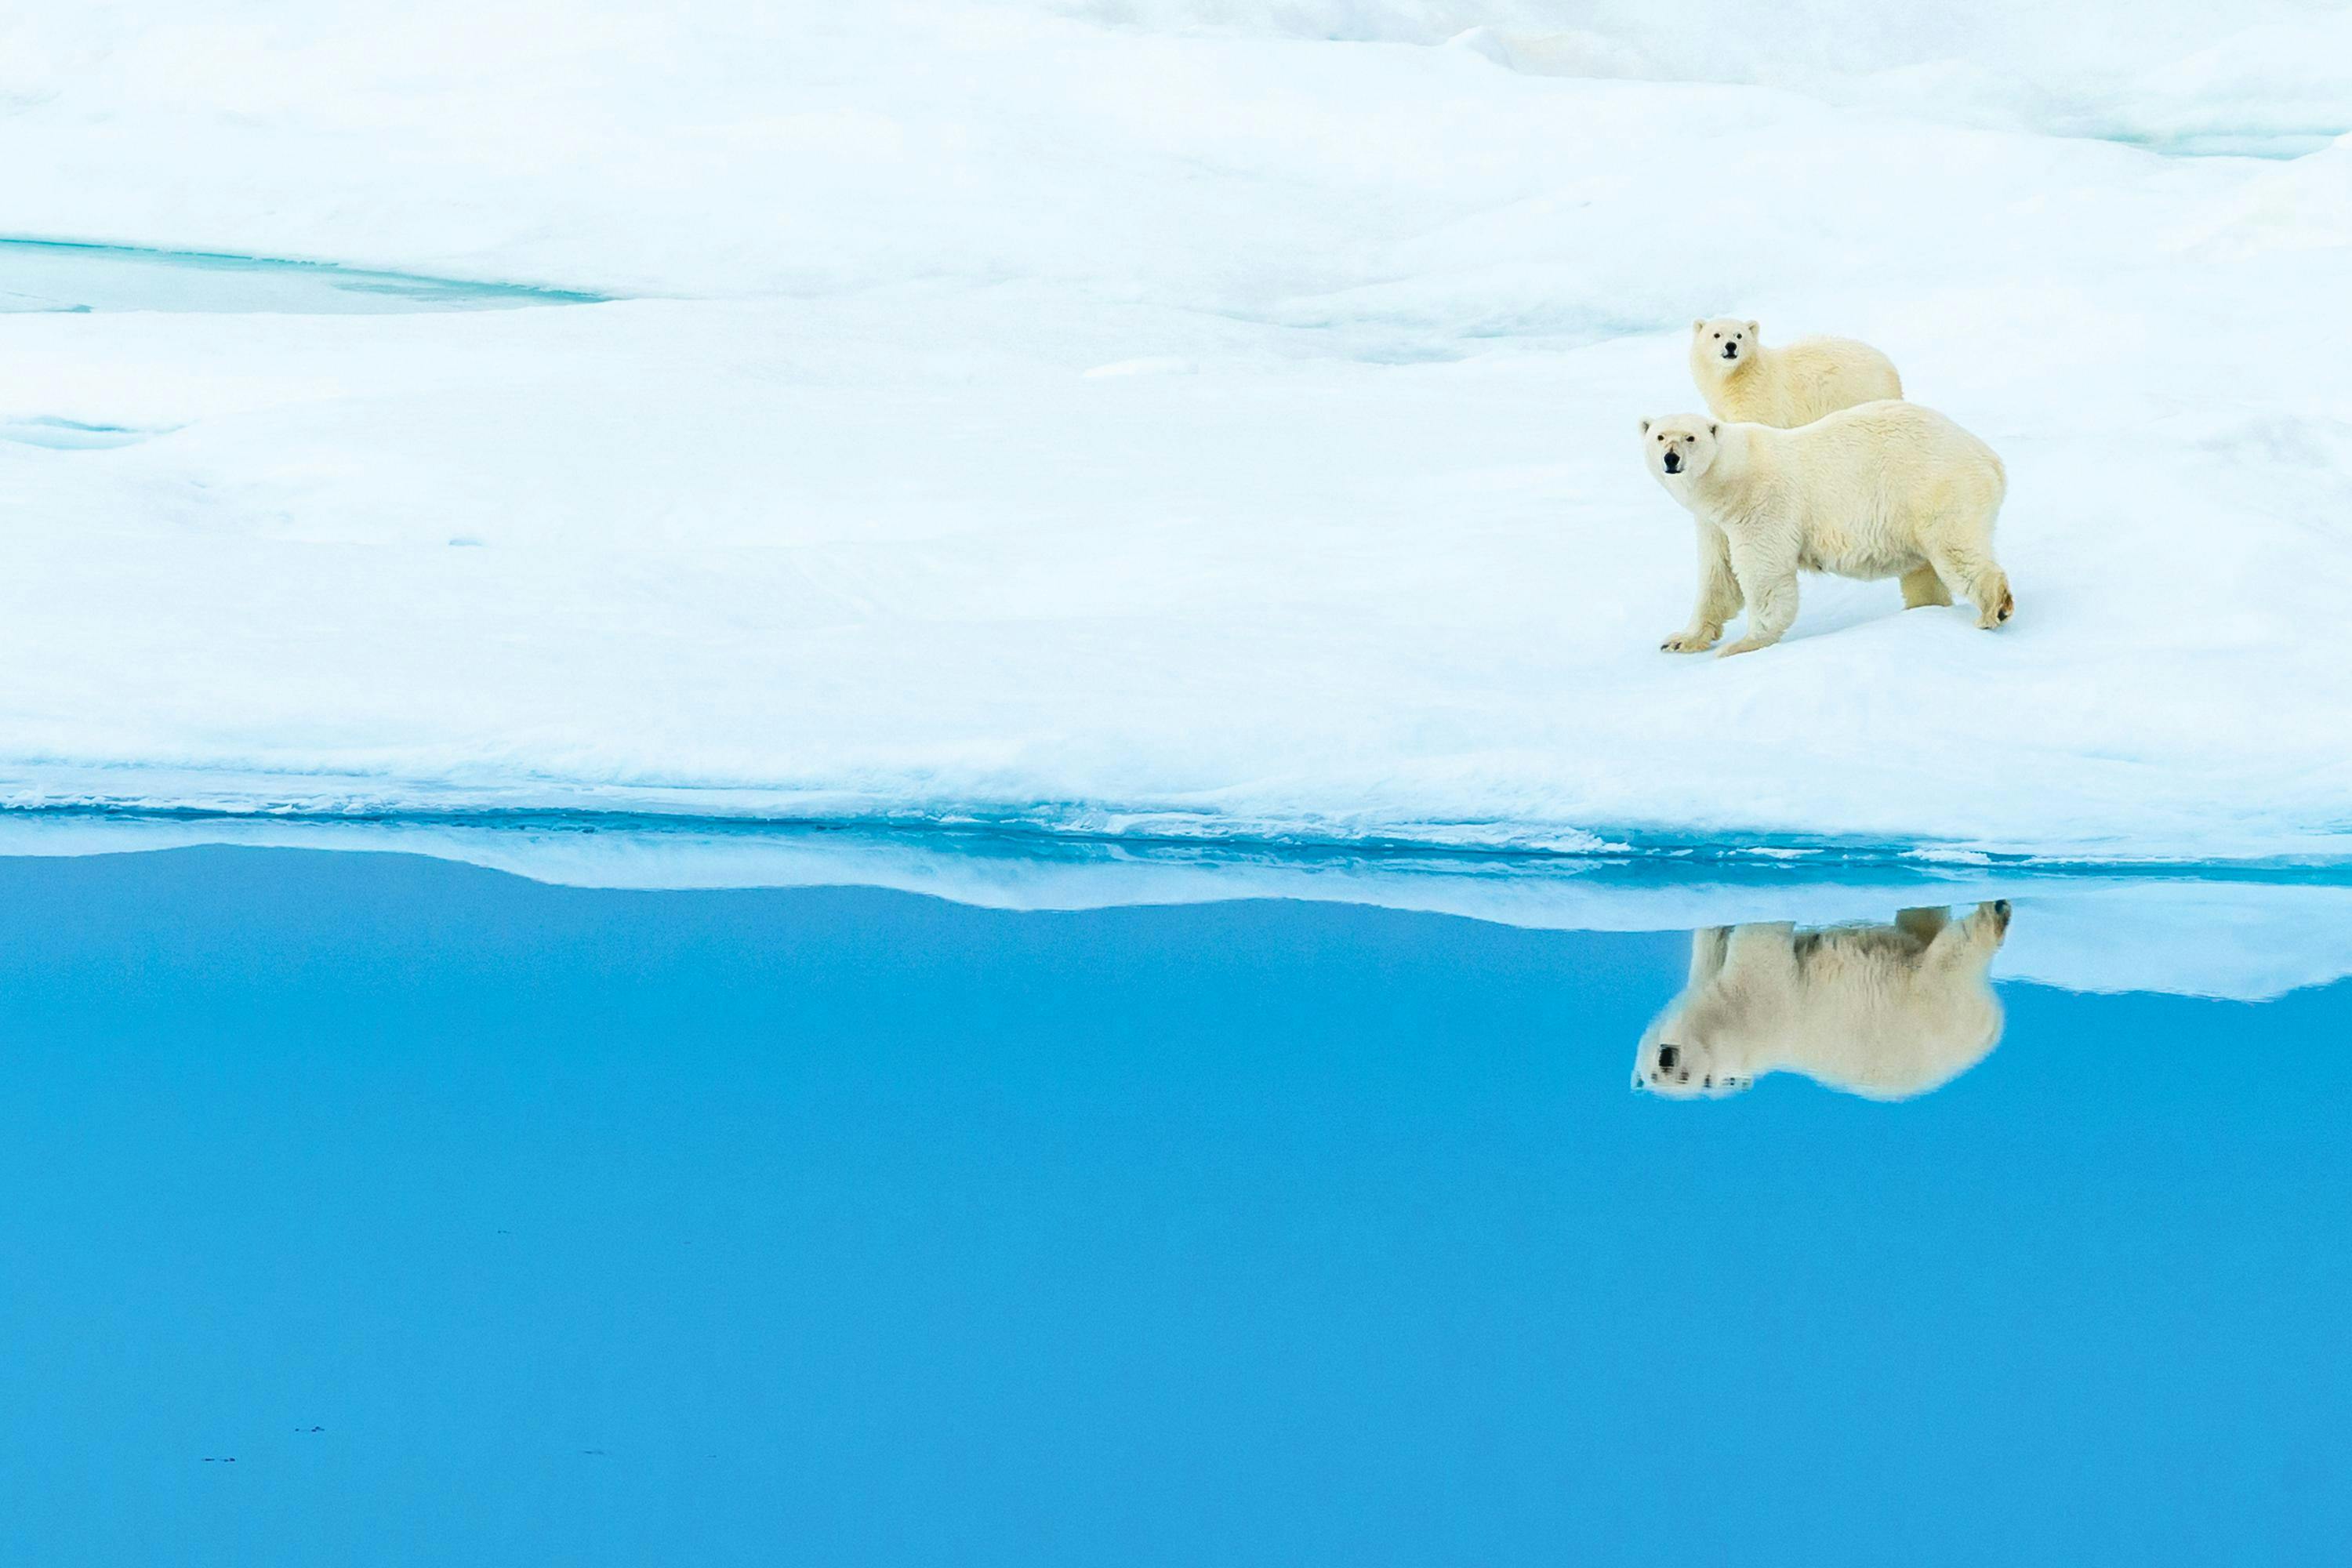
1888, 489
1882, 1011
1742, 379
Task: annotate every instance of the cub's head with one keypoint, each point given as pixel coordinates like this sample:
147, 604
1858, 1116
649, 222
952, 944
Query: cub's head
1677, 1060
1723, 343
1680, 446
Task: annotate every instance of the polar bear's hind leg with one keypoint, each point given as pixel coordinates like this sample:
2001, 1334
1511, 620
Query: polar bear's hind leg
1925, 924
2005, 607
1975, 939
1976, 577
1922, 586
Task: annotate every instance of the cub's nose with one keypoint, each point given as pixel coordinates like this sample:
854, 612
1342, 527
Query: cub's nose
1674, 465
1731, 350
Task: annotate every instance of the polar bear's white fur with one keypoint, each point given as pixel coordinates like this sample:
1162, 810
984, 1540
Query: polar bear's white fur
1888, 489
1882, 1011
1744, 380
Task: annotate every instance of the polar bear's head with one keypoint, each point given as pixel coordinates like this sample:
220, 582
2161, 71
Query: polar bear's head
1679, 1059
1723, 343
1680, 446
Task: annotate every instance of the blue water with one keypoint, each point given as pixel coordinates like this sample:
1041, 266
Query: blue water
37, 275
481, 1221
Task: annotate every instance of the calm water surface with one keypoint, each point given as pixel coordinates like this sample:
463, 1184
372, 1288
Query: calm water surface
370, 1209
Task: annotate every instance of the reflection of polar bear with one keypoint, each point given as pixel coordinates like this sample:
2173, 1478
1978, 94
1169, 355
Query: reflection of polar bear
1742, 379
1884, 1012
1888, 489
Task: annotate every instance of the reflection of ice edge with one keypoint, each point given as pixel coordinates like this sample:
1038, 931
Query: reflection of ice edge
2218, 932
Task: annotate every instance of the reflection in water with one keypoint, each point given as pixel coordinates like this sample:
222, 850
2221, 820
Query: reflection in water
839, 1225
1882, 1011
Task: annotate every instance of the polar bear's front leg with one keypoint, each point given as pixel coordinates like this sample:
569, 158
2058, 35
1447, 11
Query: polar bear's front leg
1769, 583
1719, 598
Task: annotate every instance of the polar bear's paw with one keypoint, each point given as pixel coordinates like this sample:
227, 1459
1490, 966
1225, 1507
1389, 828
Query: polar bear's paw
1745, 645
1689, 642
1997, 612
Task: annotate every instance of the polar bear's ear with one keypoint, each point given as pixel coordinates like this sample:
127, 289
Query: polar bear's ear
1645, 427
1699, 325
1754, 328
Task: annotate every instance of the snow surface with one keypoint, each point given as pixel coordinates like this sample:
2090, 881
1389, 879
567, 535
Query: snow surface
1176, 418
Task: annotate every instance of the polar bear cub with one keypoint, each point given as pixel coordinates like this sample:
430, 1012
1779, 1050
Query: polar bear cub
1742, 379
1888, 489
1882, 1011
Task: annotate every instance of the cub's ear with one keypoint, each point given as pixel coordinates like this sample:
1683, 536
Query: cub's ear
1699, 325
1753, 328
1645, 427
1713, 428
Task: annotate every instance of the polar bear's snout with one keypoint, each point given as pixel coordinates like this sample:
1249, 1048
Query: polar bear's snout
1729, 339
1676, 1059
1680, 1074
1664, 1068
1681, 445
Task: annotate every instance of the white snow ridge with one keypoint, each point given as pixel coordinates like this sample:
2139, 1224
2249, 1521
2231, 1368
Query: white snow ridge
1167, 417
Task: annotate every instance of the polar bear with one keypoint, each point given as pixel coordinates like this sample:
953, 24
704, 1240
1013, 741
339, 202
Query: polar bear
1888, 489
1885, 1012
1743, 380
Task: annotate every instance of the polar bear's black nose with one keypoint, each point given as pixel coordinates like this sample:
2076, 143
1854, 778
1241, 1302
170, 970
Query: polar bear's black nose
1731, 350
1668, 1056
1674, 465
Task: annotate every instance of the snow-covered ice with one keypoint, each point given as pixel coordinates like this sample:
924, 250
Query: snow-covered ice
49, 276
1175, 417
